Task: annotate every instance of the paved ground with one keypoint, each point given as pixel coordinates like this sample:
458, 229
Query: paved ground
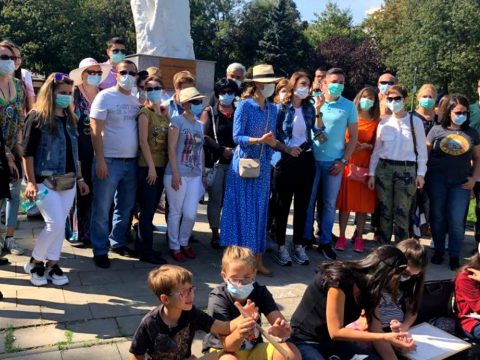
95, 316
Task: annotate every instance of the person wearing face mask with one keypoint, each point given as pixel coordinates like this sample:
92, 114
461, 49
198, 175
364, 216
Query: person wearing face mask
337, 115
293, 176
385, 82
397, 166
245, 210
281, 90
185, 178
152, 138
52, 168
453, 168
238, 273
12, 115
316, 89
115, 143
354, 194
475, 124
116, 51
86, 79
181, 80
218, 124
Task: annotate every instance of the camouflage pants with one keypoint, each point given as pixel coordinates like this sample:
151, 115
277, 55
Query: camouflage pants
395, 185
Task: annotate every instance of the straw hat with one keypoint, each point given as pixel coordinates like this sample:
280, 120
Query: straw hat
263, 74
189, 94
76, 75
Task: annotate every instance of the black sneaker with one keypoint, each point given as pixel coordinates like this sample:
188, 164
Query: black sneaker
327, 251
437, 258
153, 258
454, 263
124, 251
102, 261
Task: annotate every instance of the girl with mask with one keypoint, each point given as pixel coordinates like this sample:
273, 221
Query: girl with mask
24, 75
293, 176
52, 169
245, 211
397, 166
86, 79
354, 194
281, 90
12, 115
152, 138
218, 122
453, 168
185, 178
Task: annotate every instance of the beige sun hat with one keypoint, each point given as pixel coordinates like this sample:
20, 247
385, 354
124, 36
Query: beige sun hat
189, 94
263, 74
76, 75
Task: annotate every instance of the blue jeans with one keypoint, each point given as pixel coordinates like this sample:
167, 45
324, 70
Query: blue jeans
475, 334
11, 209
448, 205
333, 350
119, 187
330, 187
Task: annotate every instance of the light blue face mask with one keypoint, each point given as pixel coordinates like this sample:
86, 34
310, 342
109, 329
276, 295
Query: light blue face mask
459, 119
335, 89
196, 109
384, 88
118, 57
427, 103
226, 99
302, 92
395, 106
316, 93
239, 292
7, 67
366, 104
154, 96
93, 80
63, 101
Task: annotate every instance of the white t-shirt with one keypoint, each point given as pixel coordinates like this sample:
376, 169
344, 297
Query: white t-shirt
299, 130
119, 111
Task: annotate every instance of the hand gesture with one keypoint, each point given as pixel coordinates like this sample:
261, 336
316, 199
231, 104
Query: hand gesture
280, 328
319, 101
31, 191
469, 184
83, 188
176, 181
336, 168
400, 340
268, 139
396, 326
13, 169
294, 151
152, 175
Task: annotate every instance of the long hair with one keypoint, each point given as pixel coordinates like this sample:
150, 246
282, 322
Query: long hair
283, 83
454, 100
12, 46
371, 274
374, 111
412, 288
291, 86
45, 104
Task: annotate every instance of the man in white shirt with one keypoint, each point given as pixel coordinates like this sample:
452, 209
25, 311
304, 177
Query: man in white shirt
115, 141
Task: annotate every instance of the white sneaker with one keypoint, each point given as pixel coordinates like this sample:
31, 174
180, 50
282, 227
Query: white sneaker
300, 256
12, 246
56, 275
282, 257
37, 273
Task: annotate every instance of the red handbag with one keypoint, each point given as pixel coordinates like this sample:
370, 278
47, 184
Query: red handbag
357, 173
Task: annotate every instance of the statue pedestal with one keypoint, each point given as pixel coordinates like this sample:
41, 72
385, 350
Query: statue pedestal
203, 70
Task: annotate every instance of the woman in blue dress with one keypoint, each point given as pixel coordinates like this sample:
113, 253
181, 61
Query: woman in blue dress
245, 212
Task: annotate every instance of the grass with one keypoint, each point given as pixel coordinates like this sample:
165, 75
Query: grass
9, 341
471, 218
63, 345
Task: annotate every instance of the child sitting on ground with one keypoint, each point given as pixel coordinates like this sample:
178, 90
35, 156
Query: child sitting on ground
238, 272
166, 332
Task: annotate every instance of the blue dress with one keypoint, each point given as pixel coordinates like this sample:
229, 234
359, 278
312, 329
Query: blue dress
245, 209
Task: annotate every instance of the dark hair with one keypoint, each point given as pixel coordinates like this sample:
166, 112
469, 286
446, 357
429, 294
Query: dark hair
412, 289
117, 40
375, 110
127, 62
142, 75
398, 89
291, 86
154, 78
371, 274
454, 100
335, 71
223, 84
10, 45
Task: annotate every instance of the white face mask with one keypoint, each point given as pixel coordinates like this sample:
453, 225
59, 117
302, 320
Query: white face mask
268, 90
127, 82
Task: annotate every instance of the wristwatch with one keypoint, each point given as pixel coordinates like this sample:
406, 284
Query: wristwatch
318, 116
344, 161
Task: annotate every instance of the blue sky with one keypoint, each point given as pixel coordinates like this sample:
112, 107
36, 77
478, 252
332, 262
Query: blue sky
307, 8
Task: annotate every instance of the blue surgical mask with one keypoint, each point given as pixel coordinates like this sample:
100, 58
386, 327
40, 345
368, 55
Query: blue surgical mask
127, 82
427, 103
196, 109
316, 93
395, 106
118, 57
155, 96
366, 104
93, 80
7, 67
63, 101
335, 89
384, 88
459, 119
226, 99
302, 92
239, 292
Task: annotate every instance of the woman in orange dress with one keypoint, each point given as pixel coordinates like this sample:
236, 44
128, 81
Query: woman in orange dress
354, 193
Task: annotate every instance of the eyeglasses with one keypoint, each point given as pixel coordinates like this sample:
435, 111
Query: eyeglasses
94, 72
125, 72
242, 281
184, 292
7, 57
460, 112
116, 51
196, 102
394, 98
148, 89
386, 82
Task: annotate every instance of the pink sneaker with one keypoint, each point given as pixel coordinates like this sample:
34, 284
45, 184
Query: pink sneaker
358, 246
341, 243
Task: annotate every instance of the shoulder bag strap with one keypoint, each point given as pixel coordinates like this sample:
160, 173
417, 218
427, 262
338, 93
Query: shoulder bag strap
214, 124
414, 137
266, 126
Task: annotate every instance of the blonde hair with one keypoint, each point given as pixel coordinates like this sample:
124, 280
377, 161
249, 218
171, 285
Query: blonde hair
238, 253
166, 278
427, 87
45, 104
183, 77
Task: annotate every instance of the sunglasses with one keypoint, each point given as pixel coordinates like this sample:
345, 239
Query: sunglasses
386, 82
7, 57
394, 98
125, 72
226, 92
94, 72
116, 51
196, 102
148, 89
460, 112
59, 77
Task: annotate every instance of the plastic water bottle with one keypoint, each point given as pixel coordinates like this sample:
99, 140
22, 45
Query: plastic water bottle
27, 204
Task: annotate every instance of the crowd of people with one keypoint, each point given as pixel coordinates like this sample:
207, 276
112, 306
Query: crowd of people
97, 148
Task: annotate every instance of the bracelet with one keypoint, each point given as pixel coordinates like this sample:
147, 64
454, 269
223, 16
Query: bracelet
80, 179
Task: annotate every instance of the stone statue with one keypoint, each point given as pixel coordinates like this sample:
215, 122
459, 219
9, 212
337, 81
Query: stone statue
163, 28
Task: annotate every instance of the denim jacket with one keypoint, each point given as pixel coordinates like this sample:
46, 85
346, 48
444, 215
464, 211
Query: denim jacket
286, 114
50, 158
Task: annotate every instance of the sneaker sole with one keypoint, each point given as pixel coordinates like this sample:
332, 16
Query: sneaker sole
282, 263
300, 261
16, 252
58, 282
38, 282
326, 256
